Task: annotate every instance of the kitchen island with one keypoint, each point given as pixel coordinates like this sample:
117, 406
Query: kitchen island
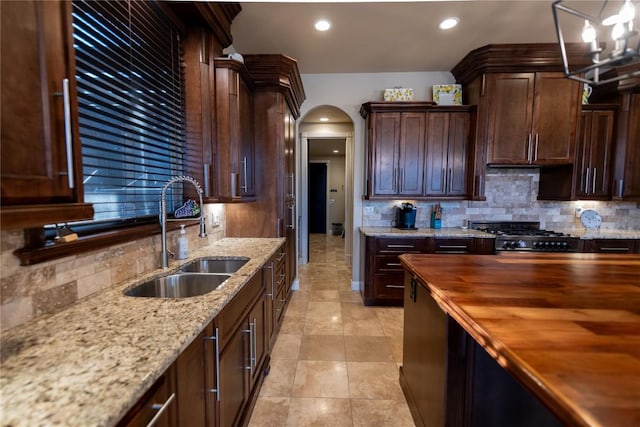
564, 328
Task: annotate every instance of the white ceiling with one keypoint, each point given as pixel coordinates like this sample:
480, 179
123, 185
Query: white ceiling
380, 37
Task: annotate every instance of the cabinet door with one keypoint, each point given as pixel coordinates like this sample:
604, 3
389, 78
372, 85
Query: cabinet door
257, 340
424, 354
627, 175
411, 155
446, 159
386, 139
233, 364
247, 150
37, 56
191, 384
510, 118
554, 119
436, 158
458, 154
593, 154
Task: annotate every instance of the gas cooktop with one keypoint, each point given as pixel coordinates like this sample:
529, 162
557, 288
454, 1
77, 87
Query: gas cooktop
526, 236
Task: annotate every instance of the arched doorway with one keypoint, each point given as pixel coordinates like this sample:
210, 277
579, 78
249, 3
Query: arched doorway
319, 138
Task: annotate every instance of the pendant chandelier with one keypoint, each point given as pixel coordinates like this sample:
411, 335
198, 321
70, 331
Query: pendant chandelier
607, 29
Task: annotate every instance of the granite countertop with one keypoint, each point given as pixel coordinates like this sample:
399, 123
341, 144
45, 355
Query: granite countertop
87, 365
603, 234
425, 232
567, 326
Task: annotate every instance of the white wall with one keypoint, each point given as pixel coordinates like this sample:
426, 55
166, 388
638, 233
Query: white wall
348, 92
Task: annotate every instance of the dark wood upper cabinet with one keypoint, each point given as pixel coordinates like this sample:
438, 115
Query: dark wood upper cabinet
626, 182
589, 178
41, 167
593, 155
447, 154
234, 125
520, 92
532, 118
417, 150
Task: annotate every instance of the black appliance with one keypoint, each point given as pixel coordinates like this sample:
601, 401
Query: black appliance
406, 216
527, 236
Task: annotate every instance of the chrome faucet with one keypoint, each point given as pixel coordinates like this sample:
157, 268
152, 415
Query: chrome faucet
163, 214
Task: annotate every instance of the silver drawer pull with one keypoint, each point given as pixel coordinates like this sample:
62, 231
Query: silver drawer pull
395, 264
217, 364
614, 249
394, 286
452, 247
160, 408
400, 246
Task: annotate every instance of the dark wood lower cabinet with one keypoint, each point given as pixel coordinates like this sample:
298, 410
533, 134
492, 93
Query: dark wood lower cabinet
195, 401
216, 379
383, 274
158, 405
450, 380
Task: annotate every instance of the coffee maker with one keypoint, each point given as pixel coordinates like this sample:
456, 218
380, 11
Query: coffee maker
406, 216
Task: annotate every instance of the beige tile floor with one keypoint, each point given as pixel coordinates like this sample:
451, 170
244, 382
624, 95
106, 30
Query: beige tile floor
335, 362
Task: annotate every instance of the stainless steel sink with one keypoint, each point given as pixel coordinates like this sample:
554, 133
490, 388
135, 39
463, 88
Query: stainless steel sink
215, 265
181, 285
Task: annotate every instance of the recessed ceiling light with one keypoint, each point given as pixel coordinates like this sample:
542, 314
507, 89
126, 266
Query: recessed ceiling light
322, 25
324, 119
449, 23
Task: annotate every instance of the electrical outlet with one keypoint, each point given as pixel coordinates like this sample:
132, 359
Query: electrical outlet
578, 211
368, 210
215, 220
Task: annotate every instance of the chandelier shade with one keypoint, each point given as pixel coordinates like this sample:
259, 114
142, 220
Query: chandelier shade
609, 31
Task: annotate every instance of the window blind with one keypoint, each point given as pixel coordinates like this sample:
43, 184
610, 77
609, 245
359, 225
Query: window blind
130, 105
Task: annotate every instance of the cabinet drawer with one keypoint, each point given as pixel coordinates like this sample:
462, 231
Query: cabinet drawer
158, 402
385, 263
454, 246
389, 286
234, 312
619, 246
400, 245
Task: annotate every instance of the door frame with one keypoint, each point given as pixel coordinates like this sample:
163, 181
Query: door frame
303, 215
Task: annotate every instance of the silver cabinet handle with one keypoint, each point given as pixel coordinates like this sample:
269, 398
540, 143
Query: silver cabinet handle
620, 187
160, 408
595, 172
535, 150
251, 344
255, 343
66, 100
529, 149
394, 286
270, 267
586, 182
401, 246
244, 168
449, 181
401, 179
452, 247
292, 210
614, 249
217, 363
205, 173
395, 264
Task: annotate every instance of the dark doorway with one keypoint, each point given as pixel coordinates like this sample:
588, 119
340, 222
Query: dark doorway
317, 198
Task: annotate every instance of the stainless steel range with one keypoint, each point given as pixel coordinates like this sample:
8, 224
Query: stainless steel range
526, 236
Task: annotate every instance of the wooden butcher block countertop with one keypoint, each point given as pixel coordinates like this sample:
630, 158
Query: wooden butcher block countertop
566, 325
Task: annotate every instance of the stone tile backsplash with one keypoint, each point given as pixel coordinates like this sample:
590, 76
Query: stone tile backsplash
27, 292
511, 196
